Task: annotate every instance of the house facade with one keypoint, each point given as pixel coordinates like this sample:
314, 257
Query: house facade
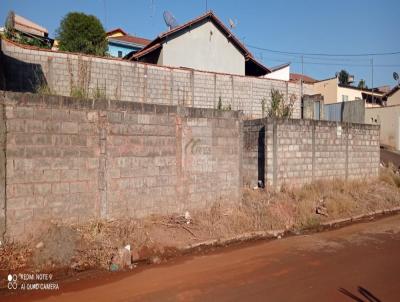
121, 44
204, 43
281, 72
388, 118
334, 92
393, 96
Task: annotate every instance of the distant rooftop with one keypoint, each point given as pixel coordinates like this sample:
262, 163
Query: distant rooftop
295, 77
25, 25
130, 39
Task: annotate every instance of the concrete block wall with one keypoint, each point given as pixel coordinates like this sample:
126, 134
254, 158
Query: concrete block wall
211, 157
27, 68
294, 152
74, 160
300, 151
52, 153
363, 150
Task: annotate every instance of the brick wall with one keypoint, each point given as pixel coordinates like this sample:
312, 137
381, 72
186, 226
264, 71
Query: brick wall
300, 151
73, 160
27, 68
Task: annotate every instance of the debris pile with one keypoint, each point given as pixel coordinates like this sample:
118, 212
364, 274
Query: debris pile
321, 208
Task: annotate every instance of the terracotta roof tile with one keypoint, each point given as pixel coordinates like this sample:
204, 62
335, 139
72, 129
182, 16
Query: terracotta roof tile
131, 39
116, 30
306, 79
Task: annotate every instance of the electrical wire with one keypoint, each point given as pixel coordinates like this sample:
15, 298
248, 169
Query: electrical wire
324, 54
334, 64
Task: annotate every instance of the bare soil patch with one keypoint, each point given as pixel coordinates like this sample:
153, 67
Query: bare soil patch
70, 248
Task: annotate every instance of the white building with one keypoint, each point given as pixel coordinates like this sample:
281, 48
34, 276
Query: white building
204, 43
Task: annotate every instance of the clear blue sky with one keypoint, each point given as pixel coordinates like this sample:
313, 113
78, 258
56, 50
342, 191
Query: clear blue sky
318, 26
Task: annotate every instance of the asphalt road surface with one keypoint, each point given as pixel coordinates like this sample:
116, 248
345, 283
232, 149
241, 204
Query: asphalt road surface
360, 262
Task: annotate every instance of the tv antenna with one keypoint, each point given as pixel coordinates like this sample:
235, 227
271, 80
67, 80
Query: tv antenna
233, 24
170, 20
396, 77
152, 8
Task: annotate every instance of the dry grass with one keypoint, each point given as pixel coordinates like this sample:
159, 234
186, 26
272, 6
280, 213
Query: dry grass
390, 175
90, 245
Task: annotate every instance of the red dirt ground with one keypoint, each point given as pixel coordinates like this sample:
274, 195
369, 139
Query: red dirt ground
356, 263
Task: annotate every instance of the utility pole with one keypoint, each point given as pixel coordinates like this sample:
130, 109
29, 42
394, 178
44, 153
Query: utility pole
372, 79
302, 74
206, 6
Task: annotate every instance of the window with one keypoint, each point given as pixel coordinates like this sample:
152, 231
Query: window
119, 54
345, 98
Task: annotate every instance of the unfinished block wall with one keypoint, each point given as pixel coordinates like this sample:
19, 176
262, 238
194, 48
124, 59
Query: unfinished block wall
74, 160
296, 152
28, 69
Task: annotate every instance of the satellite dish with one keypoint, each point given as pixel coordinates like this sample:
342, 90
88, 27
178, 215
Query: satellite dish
395, 76
170, 20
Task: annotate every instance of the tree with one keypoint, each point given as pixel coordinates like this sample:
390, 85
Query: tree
343, 77
83, 33
362, 84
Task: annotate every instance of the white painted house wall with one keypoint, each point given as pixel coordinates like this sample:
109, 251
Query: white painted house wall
280, 74
389, 120
213, 51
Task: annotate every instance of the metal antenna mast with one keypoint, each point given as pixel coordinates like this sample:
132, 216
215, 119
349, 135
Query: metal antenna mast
372, 78
105, 13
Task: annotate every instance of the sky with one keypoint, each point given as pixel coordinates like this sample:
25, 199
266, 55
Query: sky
307, 26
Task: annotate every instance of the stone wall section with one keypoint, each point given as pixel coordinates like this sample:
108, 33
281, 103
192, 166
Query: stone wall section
28, 69
52, 164
301, 151
73, 160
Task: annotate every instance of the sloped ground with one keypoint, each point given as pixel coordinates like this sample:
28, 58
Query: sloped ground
66, 249
358, 262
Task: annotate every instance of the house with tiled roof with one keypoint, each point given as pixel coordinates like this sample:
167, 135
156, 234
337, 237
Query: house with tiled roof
121, 43
297, 77
335, 92
203, 43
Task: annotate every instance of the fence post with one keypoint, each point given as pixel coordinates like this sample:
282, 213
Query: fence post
233, 94
192, 86
145, 85
347, 149
274, 153
313, 151
171, 87
215, 91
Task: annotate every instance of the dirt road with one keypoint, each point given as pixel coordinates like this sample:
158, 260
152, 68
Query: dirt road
356, 263
390, 156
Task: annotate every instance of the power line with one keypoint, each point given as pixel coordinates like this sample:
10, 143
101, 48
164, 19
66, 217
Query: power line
324, 54
336, 64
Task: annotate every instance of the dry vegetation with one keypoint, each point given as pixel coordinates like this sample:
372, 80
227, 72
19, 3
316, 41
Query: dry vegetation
92, 245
